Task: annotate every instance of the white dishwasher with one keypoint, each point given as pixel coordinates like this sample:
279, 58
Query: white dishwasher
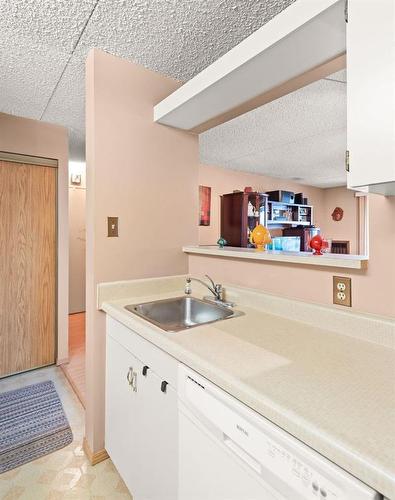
229, 452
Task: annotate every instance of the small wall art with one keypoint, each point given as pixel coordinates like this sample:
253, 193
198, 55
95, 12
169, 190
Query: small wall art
204, 205
337, 214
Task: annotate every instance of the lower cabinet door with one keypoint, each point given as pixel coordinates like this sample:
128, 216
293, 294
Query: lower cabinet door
159, 440
141, 426
122, 426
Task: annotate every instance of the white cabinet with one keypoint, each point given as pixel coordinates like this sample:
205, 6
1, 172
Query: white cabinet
141, 429
371, 95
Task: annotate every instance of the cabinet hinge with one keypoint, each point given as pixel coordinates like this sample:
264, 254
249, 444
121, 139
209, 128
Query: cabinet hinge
346, 10
347, 160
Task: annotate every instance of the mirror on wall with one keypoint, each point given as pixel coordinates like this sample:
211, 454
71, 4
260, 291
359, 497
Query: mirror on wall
292, 148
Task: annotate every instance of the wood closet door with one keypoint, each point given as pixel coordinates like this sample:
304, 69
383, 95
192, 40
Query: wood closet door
27, 266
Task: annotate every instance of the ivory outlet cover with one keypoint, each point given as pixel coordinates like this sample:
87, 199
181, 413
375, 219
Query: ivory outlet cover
342, 291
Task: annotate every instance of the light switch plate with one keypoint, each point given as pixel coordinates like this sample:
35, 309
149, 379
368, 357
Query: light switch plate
342, 291
112, 227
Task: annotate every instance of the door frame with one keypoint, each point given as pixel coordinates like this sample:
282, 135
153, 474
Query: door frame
51, 163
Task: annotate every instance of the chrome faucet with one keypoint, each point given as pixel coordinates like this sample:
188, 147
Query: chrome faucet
216, 289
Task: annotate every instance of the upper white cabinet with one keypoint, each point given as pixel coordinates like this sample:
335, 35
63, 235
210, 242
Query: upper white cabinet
371, 95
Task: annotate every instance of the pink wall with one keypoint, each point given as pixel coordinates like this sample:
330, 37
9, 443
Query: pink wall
222, 180
373, 290
35, 138
347, 228
147, 175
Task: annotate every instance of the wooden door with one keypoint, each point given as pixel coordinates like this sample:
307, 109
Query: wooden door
27, 266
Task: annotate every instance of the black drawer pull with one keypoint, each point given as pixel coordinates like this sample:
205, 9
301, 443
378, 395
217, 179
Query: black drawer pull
163, 386
145, 369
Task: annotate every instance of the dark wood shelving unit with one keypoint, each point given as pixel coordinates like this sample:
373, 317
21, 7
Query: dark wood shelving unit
236, 223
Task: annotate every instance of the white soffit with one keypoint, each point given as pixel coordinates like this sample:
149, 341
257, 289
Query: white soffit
304, 36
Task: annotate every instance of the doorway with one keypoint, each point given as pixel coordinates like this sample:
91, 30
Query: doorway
75, 368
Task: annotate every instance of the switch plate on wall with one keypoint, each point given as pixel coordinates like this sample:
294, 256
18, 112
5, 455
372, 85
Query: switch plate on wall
342, 291
112, 227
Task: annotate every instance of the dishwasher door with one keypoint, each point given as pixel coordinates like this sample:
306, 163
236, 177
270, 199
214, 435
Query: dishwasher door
209, 471
229, 452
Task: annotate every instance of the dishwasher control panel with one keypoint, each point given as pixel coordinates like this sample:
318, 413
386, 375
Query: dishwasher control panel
298, 473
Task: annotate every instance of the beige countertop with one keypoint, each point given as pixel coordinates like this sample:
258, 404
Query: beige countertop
334, 392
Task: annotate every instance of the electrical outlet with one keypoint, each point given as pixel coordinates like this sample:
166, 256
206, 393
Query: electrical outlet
342, 291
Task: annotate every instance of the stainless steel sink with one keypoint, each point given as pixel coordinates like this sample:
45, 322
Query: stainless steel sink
176, 314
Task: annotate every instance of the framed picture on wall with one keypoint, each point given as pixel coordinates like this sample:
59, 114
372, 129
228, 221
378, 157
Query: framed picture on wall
204, 205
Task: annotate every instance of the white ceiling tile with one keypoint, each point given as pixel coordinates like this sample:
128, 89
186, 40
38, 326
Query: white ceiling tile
28, 76
51, 23
316, 162
67, 105
178, 38
36, 40
302, 134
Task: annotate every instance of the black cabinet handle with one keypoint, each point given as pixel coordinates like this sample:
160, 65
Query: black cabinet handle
163, 386
145, 369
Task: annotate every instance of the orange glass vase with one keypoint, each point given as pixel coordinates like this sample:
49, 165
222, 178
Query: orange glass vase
260, 237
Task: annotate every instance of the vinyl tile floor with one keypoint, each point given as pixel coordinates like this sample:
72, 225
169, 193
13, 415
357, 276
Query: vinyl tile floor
65, 473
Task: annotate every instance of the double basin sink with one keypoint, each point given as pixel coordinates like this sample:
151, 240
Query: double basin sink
181, 313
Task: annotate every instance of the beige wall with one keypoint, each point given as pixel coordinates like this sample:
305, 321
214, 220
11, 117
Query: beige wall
32, 137
373, 290
77, 195
147, 175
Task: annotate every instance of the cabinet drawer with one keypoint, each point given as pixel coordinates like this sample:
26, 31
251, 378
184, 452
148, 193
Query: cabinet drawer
159, 361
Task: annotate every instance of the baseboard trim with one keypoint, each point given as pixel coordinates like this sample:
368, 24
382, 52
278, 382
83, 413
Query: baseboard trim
62, 361
74, 386
94, 458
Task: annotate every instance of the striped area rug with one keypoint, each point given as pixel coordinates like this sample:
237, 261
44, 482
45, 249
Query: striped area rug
32, 424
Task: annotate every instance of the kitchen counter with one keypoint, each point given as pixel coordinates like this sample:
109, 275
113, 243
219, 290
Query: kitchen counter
333, 391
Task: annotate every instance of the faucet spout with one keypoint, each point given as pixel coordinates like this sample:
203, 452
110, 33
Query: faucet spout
215, 288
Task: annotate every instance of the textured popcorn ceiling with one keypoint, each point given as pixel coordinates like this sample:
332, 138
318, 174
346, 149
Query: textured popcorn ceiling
301, 136
44, 43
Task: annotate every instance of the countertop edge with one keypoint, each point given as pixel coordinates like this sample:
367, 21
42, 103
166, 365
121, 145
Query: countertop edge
304, 258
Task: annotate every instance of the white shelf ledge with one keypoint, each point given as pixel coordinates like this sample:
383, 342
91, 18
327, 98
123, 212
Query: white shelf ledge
305, 258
